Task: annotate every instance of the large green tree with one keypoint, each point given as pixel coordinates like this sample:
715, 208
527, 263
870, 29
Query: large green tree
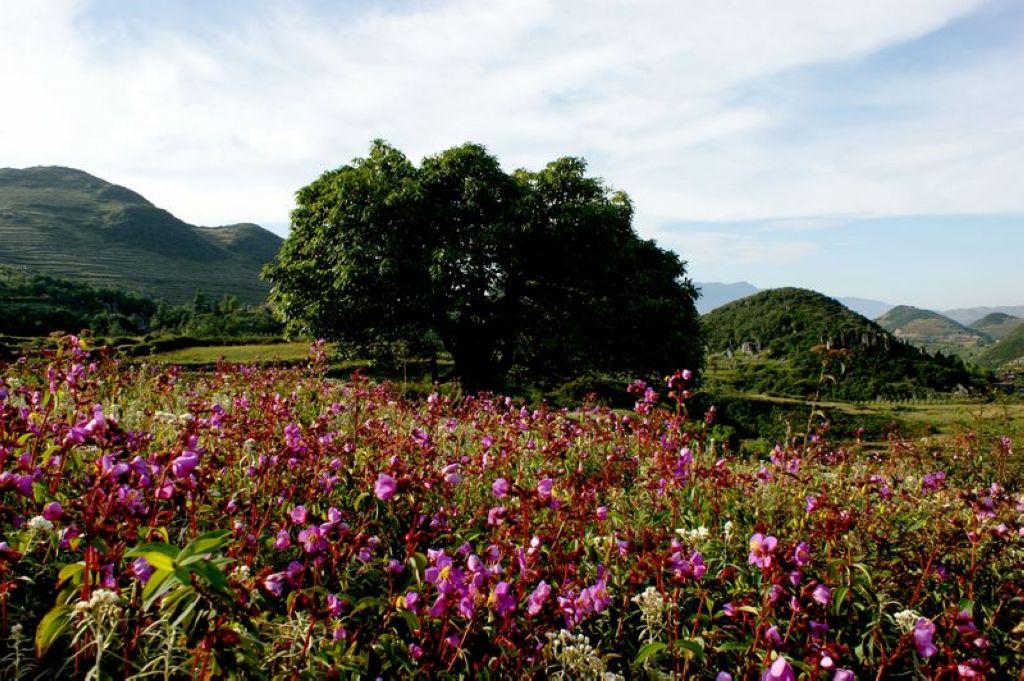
538, 274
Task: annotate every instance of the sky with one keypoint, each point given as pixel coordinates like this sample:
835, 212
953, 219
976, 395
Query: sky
865, 148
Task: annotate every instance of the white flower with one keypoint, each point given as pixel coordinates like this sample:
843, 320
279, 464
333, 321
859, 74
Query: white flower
906, 619
727, 529
694, 536
40, 524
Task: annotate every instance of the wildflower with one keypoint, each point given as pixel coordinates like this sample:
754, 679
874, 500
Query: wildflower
496, 516
761, 549
141, 569
812, 504
802, 554
905, 619
312, 540
299, 515
602, 513
385, 487
924, 630
274, 583
53, 511
40, 524
184, 464
843, 675
501, 600
780, 670
500, 488
544, 488
822, 594
283, 540
535, 601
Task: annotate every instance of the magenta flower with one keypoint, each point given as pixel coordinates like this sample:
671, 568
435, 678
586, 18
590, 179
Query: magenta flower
761, 549
299, 515
924, 630
802, 554
535, 601
282, 540
385, 487
500, 488
602, 513
184, 464
501, 600
843, 675
312, 540
780, 670
275, 583
53, 511
822, 594
544, 487
141, 569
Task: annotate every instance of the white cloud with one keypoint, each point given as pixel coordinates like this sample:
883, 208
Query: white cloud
223, 124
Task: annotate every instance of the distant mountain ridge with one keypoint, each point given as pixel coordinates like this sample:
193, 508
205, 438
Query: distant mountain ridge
997, 325
930, 330
66, 222
716, 294
969, 315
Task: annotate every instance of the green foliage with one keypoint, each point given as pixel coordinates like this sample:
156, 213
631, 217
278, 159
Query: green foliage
997, 325
794, 331
522, 277
64, 222
1007, 351
33, 304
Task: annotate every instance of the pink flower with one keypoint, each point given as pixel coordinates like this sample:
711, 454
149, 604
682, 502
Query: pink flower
822, 594
780, 670
544, 487
283, 540
53, 511
535, 601
299, 515
924, 630
385, 487
761, 549
500, 488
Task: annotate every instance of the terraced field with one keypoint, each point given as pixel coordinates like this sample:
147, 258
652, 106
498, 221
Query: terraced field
64, 222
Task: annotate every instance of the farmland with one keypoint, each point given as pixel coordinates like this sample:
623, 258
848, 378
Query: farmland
270, 523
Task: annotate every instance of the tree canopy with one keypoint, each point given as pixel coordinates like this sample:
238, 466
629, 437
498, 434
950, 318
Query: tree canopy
532, 275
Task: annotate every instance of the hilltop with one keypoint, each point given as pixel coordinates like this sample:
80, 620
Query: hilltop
782, 328
1010, 350
997, 325
969, 315
65, 222
931, 330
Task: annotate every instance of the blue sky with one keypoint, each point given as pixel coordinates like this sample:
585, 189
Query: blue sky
868, 148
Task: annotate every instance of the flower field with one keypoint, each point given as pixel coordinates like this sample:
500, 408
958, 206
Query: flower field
272, 523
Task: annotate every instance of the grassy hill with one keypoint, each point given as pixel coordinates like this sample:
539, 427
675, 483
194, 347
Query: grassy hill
65, 222
931, 330
782, 328
997, 325
1010, 350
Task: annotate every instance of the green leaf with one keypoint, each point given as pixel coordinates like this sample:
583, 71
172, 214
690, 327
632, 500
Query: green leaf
72, 571
159, 561
692, 646
731, 646
649, 650
211, 575
51, 626
159, 583
369, 602
203, 544
166, 549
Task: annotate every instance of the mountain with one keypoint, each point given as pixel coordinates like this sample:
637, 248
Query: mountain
997, 325
931, 330
1010, 350
788, 329
866, 307
715, 294
65, 222
969, 315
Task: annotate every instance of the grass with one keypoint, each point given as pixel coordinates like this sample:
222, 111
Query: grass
242, 354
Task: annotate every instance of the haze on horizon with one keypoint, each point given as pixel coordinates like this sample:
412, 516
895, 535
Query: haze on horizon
864, 149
